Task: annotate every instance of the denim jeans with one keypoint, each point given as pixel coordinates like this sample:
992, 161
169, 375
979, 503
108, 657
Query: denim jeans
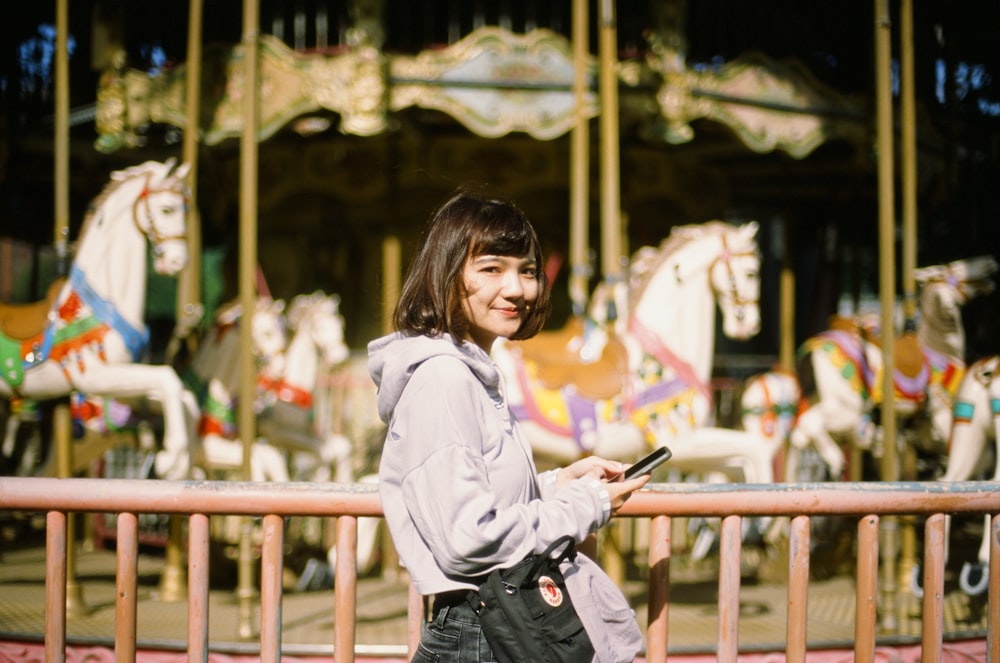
453, 636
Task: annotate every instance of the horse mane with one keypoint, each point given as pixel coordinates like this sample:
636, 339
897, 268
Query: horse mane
644, 264
96, 205
117, 180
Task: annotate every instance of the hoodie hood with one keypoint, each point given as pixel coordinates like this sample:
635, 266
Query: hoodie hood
393, 358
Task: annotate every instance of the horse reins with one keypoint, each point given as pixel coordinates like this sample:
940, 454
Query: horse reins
154, 235
739, 302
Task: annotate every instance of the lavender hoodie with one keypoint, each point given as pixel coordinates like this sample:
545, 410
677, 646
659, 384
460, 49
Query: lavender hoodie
457, 479
459, 488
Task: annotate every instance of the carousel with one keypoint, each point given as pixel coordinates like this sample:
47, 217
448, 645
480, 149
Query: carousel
314, 164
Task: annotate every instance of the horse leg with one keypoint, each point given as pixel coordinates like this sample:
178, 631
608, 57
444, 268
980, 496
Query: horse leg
811, 429
160, 384
974, 578
267, 463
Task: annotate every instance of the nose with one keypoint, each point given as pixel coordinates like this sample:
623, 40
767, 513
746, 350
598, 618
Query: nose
513, 288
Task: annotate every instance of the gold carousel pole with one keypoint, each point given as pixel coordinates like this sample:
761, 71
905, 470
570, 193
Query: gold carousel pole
173, 582
246, 591
62, 428
579, 188
887, 288
611, 228
909, 210
786, 307
611, 239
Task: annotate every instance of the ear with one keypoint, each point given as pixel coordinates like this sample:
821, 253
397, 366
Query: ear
924, 274
748, 231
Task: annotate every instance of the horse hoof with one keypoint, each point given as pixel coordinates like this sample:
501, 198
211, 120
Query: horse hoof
171, 466
316, 576
916, 582
973, 579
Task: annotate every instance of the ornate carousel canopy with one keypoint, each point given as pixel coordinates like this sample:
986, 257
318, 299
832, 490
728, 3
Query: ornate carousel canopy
492, 81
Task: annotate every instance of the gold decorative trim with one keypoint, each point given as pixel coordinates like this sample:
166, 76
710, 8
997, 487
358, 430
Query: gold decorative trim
769, 104
495, 82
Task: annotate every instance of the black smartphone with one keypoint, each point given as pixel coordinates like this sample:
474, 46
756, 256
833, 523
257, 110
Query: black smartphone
647, 464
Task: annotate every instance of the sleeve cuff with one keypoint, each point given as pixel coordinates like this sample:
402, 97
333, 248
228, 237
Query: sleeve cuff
604, 497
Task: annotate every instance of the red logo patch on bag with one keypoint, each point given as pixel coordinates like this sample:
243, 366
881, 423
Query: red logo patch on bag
550, 591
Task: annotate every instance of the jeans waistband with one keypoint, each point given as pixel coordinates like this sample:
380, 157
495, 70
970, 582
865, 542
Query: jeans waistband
452, 599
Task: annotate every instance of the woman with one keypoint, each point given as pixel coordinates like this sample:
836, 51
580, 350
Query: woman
457, 479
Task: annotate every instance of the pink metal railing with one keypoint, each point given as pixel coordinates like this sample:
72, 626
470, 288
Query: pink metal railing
869, 502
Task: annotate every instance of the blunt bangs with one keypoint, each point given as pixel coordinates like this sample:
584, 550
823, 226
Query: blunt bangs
503, 231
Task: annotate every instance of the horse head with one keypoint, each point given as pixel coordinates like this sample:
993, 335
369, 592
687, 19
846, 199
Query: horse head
269, 334
319, 314
944, 290
159, 210
735, 278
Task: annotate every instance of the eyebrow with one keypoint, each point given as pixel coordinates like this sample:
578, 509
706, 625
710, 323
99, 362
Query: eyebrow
487, 257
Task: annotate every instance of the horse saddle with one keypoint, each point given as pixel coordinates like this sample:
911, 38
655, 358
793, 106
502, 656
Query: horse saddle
559, 363
24, 321
908, 355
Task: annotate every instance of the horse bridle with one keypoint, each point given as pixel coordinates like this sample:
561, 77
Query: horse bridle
739, 302
142, 206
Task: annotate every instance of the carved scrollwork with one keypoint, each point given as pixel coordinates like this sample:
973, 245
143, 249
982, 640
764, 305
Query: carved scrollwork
494, 82
770, 105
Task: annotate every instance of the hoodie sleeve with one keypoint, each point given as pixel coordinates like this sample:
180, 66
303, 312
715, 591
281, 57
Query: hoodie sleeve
468, 487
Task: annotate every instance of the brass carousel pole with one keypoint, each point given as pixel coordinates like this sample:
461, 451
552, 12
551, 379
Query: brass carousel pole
887, 288
786, 307
611, 237
246, 590
908, 148
611, 228
579, 188
62, 427
173, 582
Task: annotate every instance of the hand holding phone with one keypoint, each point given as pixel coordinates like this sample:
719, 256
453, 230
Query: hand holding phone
647, 464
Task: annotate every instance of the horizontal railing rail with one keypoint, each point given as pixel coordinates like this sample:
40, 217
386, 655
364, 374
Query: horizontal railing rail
871, 503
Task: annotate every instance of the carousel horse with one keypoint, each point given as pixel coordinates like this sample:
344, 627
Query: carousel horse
769, 405
645, 381
296, 417
976, 423
214, 376
840, 369
89, 334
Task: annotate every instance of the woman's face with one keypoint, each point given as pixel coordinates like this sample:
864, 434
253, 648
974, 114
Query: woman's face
500, 288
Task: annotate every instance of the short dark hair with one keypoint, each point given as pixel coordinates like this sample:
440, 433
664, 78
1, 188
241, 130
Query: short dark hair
466, 226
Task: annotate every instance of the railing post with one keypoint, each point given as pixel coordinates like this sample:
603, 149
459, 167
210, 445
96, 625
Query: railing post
993, 633
270, 588
126, 584
933, 617
658, 606
729, 589
55, 586
345, 589
198, 540
866, 598
798, 590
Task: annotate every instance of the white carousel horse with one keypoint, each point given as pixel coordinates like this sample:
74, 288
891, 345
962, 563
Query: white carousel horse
214, 375
840, 370
976, 422
647, 384
299, 417
769, 405
91, 334
296, 417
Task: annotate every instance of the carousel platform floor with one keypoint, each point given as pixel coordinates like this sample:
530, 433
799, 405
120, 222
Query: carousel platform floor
308, 616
